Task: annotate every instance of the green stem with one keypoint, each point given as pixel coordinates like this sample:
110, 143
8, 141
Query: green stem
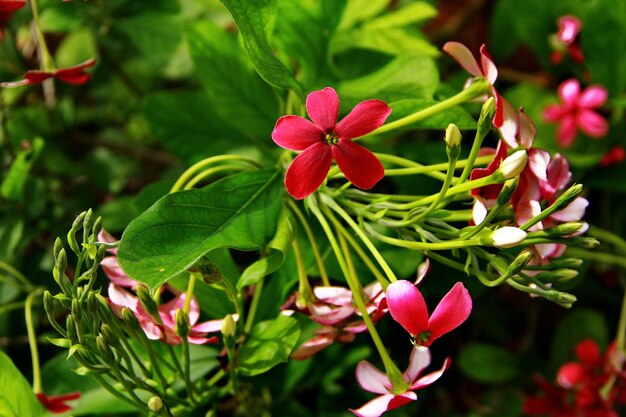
189, 295
46, 59
17, 275
254, 305
211, 171
32, 339
606, 236
444, 187
447, 245
603, 257
5, 308
305, 293
191, 171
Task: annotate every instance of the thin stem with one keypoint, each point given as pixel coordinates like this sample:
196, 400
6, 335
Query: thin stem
603, 257
447, 245
305, 293
211, 171
5, 308
13, 272
444, 187
46, 59
32, 339
254, 305
191, 171
606, 236
189, 294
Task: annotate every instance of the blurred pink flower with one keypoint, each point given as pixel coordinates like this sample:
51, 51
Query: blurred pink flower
373, 380
576, 111
565, 41
407, 307
324, 140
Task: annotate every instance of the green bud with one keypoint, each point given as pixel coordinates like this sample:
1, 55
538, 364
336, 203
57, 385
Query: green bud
58, 246
130, 319
564, 229
583, 242
155, 403
182, 324
487, 113
147, 301
75, 309
70, 326
519, 263
229, 326
71, 235
87, 225
453, 140
104, 350
507, 191
562, 298
108, 335
95, 230
560, 275
567, 197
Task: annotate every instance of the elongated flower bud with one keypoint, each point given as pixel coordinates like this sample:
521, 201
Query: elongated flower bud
567, 197
507, 190
519, 263
505, 237
146, 299
71, 235
229, 327
513, 165
485, 119
564, 229
561, 275
182, 324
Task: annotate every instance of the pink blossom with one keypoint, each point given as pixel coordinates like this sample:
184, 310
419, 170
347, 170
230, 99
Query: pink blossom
324, 139
486, 69
373, 380
576, 111
566, 40
407, 307
73, 75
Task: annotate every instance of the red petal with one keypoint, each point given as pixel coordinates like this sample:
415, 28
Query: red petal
366, 117
498, 118
35, 76
11, 5
308, 170
360, 166
592, 124
571, 374
453, 309
296, 133
323, 108
407, 306
594, 96
588, 352
75, 74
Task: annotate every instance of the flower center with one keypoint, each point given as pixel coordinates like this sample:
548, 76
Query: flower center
331, 138
422, 338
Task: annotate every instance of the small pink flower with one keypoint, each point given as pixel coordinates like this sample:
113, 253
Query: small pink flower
324, 140
576, 111
73, 75
566, 40
407, 307
373, 380
57, 403
486, 69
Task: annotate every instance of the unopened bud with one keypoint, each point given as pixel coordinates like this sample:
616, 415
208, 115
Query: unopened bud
104, 350
561, 275
505, 237
87, 224
562, 298
229, 327
97, 226
108, 336
70, 326
58, 245
507, 191
564, 229
130, 319
71, 235
155, 403
567, 197
182, 324
453, 136
519, 263
583, 242
513, 165
487, 114
147, 301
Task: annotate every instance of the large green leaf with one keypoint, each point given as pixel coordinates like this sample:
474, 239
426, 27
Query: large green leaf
236, 92
240, 211
487, 363
16, 395
270, 343
254, 18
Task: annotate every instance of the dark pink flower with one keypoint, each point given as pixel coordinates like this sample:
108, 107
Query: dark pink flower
7, 8
56, 403
407, 307
72, 75
566, 40
324, 139
486, 69
373, 380
576, 111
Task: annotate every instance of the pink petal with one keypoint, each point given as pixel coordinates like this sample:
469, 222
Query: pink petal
296, 133
201, 340
573, 212
308, 170
374, 291
407, 306
594, 96
339, 296
569, 26
569, 91
323, 108
566, 132
419, 360
312, 346
508, 129
592, 124
371, 379
211, 326
554, 112
431, 377
116, 275
498, 118
122, 298
359, 165
324, 314
453, 309
526, 210
489, 68
366, 117
538, 161
527, 130
463, 56
559, 174
547, 250
384, 403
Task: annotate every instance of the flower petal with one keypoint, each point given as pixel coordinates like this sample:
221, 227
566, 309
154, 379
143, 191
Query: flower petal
559, 174
313, 345
526, 210
296, 133
407, 306
592, 124
463, 56
308, 170
569, 26
431, 377
527, 130
114, 272
323, 108
498, 118
569, 91
489, 68
366, 117
570, 374
339, 296
371, 379
508, 129
419, 360
554, 112
453, 309
573, 212
7, 6
384, 403
566, 132
588, 352
479, 211
211, 326
594, 96
359, 165
538, 161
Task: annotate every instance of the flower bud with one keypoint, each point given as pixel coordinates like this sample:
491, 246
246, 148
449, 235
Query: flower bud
87, 224
513, 165
71, 235
487, 114
155, 403
58, 245
519, 263
182, 324
567, 197
130, 319
95, 229
583, 242
453, 136
147, 301
564, 229
507, 191
505, 237
104, 350
229, 327
562, 298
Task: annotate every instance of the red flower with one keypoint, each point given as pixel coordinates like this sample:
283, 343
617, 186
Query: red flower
7, 8
72, 75
616, 155
407, 307
325, 140
56, 403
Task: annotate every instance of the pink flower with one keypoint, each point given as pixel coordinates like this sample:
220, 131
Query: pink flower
407, 307
576, 111
373, 380
486, 69
72, 75
566, 40
324, 140
56, 403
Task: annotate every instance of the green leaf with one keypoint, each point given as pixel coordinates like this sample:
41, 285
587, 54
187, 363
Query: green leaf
407, 76
235, 90
578, 325
392, 41
270, 343
487, 363
407, 15
16, 395
239, 211
254, 18
13, 184
457, 115
77, 47
362, 10
276, 256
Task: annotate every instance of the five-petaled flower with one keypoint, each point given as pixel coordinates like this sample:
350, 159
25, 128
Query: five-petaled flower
486, 69
57, 403
576, 111
373, 380
565, 41
73, 75
407, 307
324, 139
